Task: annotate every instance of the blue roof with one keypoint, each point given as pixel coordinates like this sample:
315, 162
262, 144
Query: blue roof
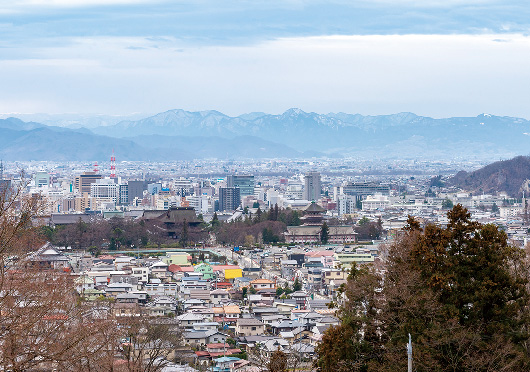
227, 359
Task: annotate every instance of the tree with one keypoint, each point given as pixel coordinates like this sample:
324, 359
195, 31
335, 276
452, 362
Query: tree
324, 233
215, 220
297, 286
255, 205
364, 220
460, 291
277, 362
447, 203
149, 343
184, 234
495, 208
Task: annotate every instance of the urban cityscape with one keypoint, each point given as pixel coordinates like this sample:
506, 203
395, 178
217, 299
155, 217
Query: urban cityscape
264, 186
239, 259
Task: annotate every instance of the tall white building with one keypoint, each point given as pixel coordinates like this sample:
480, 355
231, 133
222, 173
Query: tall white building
346, 204
104, 193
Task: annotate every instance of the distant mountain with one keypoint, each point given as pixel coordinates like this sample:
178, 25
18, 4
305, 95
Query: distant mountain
47, 143
398, 135
508, 176
179, 134
218, 147
74, 120
33, 141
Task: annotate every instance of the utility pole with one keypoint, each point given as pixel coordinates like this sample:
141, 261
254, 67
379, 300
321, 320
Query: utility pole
409, 354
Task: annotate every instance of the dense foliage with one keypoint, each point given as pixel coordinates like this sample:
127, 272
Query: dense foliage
460, 291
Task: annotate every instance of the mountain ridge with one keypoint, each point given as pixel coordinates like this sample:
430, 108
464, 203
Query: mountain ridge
296, 133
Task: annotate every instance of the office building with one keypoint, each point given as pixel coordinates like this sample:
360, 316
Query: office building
245, 183
85, 180
123, 194
363, 189
312, 188
229, 198
41, 179
135, 190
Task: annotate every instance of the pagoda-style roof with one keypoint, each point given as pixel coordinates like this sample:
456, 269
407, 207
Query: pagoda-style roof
174, 216
314, 208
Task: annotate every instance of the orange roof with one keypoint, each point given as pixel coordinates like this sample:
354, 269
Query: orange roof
262, 281
223, 284
218, 310
232, 309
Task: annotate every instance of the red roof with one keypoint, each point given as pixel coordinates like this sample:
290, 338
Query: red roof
217, 345
176, 268
223, 284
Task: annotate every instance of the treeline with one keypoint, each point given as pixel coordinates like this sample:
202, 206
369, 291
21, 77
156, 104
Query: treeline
117, 234
260, 227
461, 293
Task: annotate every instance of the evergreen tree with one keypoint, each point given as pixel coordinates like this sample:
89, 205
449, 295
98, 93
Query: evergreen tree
447, 204
215, 220
259, 213
297, 286
324, 233
460, 291
184, 234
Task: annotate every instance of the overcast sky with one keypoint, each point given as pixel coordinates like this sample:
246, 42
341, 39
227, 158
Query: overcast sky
436, 58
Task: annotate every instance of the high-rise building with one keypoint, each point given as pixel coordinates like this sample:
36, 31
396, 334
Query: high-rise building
83, 181
124, 194
104, 189
41, 179
313, 187
245, 183
135, 190
229, 198
362, 189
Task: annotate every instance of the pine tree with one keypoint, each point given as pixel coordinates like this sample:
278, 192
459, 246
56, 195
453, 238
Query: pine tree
460, 291
184, 234
324, 233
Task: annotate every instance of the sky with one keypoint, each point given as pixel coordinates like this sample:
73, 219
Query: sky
432, 57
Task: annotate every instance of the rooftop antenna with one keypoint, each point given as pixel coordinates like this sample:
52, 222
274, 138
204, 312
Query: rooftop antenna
96, 167
1, 169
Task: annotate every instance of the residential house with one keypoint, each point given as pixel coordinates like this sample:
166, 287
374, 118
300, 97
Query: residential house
219, 296
263, 284
249, 327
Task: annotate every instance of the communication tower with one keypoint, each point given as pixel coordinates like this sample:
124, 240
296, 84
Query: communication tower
112, 165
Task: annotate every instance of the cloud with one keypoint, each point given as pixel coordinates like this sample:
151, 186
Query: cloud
436, 75
71, 3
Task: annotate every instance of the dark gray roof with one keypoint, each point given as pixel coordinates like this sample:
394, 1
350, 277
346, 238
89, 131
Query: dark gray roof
69, 219
314, 207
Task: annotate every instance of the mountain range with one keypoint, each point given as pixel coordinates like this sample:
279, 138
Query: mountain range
178, 134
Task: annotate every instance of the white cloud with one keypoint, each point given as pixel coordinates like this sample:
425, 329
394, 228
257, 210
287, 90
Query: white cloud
438, 75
